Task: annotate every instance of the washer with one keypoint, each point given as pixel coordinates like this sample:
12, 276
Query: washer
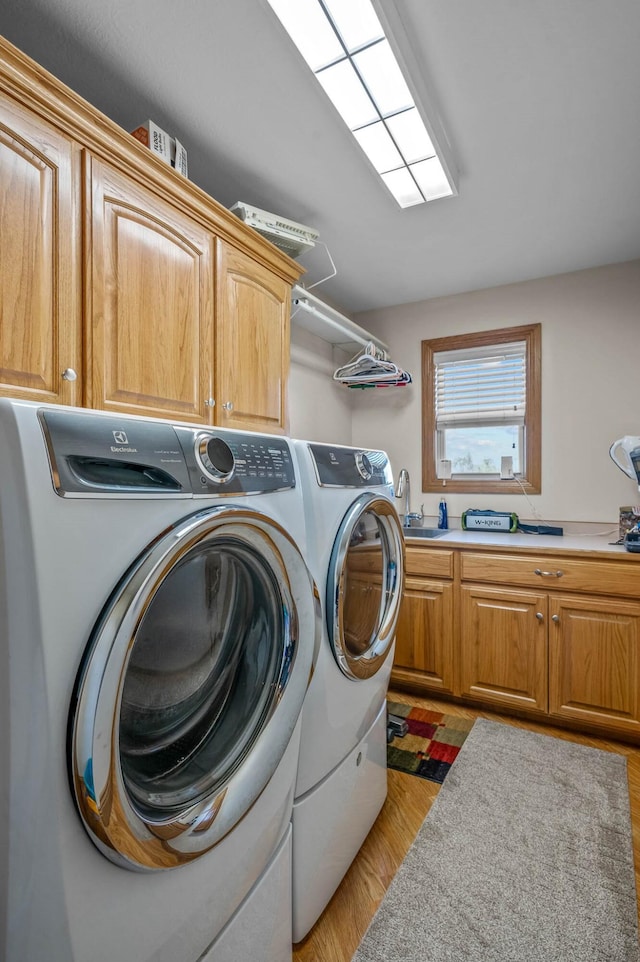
158, 628
356, 554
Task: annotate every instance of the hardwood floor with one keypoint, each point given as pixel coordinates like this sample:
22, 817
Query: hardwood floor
340, 928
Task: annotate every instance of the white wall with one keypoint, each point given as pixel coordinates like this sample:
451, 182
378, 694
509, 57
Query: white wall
319, 408
590, 386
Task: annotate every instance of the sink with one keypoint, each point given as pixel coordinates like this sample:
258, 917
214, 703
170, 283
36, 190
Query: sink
424, 532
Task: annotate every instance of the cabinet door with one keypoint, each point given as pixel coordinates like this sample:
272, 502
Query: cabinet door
150, 303
594, 663
503, 646
252, 344
40, 302
424, 636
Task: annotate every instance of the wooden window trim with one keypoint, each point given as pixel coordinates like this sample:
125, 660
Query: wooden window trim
531, 484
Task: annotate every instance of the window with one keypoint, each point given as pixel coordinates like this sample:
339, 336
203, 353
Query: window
481, 403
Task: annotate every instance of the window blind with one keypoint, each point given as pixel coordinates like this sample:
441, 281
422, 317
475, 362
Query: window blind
485, 385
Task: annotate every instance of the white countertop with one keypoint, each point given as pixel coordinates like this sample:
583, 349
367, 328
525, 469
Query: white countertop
592, 543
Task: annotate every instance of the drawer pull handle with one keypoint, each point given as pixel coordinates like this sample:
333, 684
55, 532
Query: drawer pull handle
539, 616
556, 618
548, 574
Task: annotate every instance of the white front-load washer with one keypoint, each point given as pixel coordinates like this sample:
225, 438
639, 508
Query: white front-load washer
158, 629
356, 553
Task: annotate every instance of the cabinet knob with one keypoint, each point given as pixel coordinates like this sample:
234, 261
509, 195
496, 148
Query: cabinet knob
556, 618
69, 374
227, 406
548, 574
539, 616
210, 402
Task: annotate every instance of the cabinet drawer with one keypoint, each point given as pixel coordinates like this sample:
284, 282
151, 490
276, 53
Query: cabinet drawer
429, 563
553, 572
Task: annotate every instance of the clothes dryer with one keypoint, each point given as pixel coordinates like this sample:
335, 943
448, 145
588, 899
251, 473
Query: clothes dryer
158, 627
356, 553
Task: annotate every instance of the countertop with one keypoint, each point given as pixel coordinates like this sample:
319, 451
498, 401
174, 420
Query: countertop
592, 544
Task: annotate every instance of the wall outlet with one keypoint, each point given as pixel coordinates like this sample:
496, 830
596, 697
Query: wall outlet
506, 468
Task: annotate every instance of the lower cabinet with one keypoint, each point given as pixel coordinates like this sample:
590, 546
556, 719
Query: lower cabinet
503, 633
503, 651
424, 636
594, 661
424, 655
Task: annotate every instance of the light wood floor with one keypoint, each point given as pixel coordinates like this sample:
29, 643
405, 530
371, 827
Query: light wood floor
340, 928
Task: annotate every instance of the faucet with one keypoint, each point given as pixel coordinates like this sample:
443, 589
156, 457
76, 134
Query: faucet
404, 489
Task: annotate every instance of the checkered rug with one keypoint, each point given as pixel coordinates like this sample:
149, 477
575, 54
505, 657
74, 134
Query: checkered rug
431, 744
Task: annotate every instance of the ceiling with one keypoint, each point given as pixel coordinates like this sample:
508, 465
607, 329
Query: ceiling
540, 101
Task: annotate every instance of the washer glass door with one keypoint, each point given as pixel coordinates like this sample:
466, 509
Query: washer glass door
207, 638
364, 586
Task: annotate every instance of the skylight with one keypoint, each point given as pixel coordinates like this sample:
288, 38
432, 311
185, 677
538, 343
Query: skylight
345, 46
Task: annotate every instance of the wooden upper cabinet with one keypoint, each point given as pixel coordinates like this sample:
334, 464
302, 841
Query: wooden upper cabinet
123, 286
149, 302
252, 343
40, 332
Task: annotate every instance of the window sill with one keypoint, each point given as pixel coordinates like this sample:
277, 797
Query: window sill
453, 486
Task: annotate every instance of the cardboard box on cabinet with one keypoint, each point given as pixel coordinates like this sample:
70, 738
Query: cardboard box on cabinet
155, 138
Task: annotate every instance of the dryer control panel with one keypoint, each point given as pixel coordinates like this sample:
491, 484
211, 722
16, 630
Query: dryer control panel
95, 454
343, 467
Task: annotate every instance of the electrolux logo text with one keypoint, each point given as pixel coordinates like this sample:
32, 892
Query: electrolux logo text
120, 437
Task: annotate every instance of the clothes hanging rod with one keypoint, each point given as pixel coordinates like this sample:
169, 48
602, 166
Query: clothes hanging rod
332, 325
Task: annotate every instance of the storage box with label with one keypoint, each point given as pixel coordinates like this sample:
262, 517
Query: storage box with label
179, 158
155, 138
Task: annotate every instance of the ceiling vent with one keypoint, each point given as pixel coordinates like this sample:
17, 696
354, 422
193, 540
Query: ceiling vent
292, 238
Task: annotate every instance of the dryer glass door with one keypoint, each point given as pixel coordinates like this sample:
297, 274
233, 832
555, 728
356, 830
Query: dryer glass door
364, 586
198, 667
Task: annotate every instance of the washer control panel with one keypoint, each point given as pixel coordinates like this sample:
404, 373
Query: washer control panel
236, 462
100, 455
337, 466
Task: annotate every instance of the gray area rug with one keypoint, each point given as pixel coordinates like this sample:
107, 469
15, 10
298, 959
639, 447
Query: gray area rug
525, 856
